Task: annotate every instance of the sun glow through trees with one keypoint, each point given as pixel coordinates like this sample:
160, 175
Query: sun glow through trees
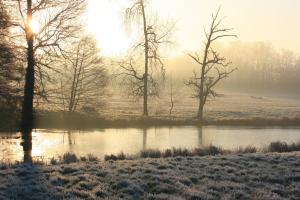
106, 23
34, 26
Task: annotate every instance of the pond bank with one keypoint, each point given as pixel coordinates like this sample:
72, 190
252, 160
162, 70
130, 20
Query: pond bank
243, 176
79, 121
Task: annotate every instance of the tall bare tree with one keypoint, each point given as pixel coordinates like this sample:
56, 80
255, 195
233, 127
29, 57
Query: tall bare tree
213, 67
143, 82
82, 82
57, 23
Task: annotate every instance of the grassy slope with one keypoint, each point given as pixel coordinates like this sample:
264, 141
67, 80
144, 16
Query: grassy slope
248, 176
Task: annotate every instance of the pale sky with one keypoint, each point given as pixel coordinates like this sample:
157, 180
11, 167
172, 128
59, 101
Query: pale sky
274, 21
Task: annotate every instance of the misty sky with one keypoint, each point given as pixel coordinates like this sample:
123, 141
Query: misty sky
275, 21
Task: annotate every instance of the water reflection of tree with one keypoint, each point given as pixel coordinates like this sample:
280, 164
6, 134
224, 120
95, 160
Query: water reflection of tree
145, 132
27, 145
70, 137
200, 136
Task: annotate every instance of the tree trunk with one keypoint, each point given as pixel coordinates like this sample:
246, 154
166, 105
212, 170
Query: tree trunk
202, 71
27, 109
172, 100
145, 113
200, 111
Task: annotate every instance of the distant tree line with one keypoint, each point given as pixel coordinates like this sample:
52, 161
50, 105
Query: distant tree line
263, 67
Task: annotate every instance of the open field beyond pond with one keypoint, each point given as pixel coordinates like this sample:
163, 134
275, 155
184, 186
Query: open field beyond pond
226, 106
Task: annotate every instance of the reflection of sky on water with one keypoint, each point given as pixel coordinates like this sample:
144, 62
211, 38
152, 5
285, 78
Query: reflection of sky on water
49, 143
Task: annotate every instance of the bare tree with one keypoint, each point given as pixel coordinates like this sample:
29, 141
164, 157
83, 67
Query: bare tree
83, 81
58, 20
143, 82
213, 67
174, 93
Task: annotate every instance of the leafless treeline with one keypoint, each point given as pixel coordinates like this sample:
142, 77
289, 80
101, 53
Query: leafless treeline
263, 67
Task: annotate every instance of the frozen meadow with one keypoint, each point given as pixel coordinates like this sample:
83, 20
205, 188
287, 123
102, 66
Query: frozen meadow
239, 176
227, 106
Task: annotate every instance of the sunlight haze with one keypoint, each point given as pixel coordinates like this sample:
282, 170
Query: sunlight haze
252, 20
149, 99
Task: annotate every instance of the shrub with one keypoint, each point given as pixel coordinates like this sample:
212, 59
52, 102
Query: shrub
69, 158
110, 157
283, 147
53, 161
213, 150
248, 149
83, 158
295, 147
120, 156
278, 147
181, 152
151, 153
92, 158
167, 153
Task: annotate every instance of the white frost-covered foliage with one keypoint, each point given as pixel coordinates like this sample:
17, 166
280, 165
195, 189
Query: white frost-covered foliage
247, 176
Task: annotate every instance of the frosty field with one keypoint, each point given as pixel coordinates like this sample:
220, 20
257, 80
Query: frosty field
245, 176
227, 106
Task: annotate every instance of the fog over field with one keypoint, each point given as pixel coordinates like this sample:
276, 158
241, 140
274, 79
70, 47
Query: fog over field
149, 99
228, 105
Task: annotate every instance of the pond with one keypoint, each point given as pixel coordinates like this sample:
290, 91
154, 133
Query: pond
49, 143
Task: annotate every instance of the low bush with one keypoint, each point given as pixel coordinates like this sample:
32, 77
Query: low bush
68, 158
282, 147
151, 153
120, 156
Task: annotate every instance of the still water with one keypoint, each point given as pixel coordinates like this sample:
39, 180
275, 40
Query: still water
49, 143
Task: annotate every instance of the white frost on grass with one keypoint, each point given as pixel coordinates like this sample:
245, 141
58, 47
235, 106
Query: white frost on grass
244, 176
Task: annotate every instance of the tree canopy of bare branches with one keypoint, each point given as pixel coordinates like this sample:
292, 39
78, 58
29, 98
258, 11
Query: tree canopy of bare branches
82, 82
58, 22
213, 67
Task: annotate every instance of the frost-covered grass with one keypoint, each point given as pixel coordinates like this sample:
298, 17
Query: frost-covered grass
239, 176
